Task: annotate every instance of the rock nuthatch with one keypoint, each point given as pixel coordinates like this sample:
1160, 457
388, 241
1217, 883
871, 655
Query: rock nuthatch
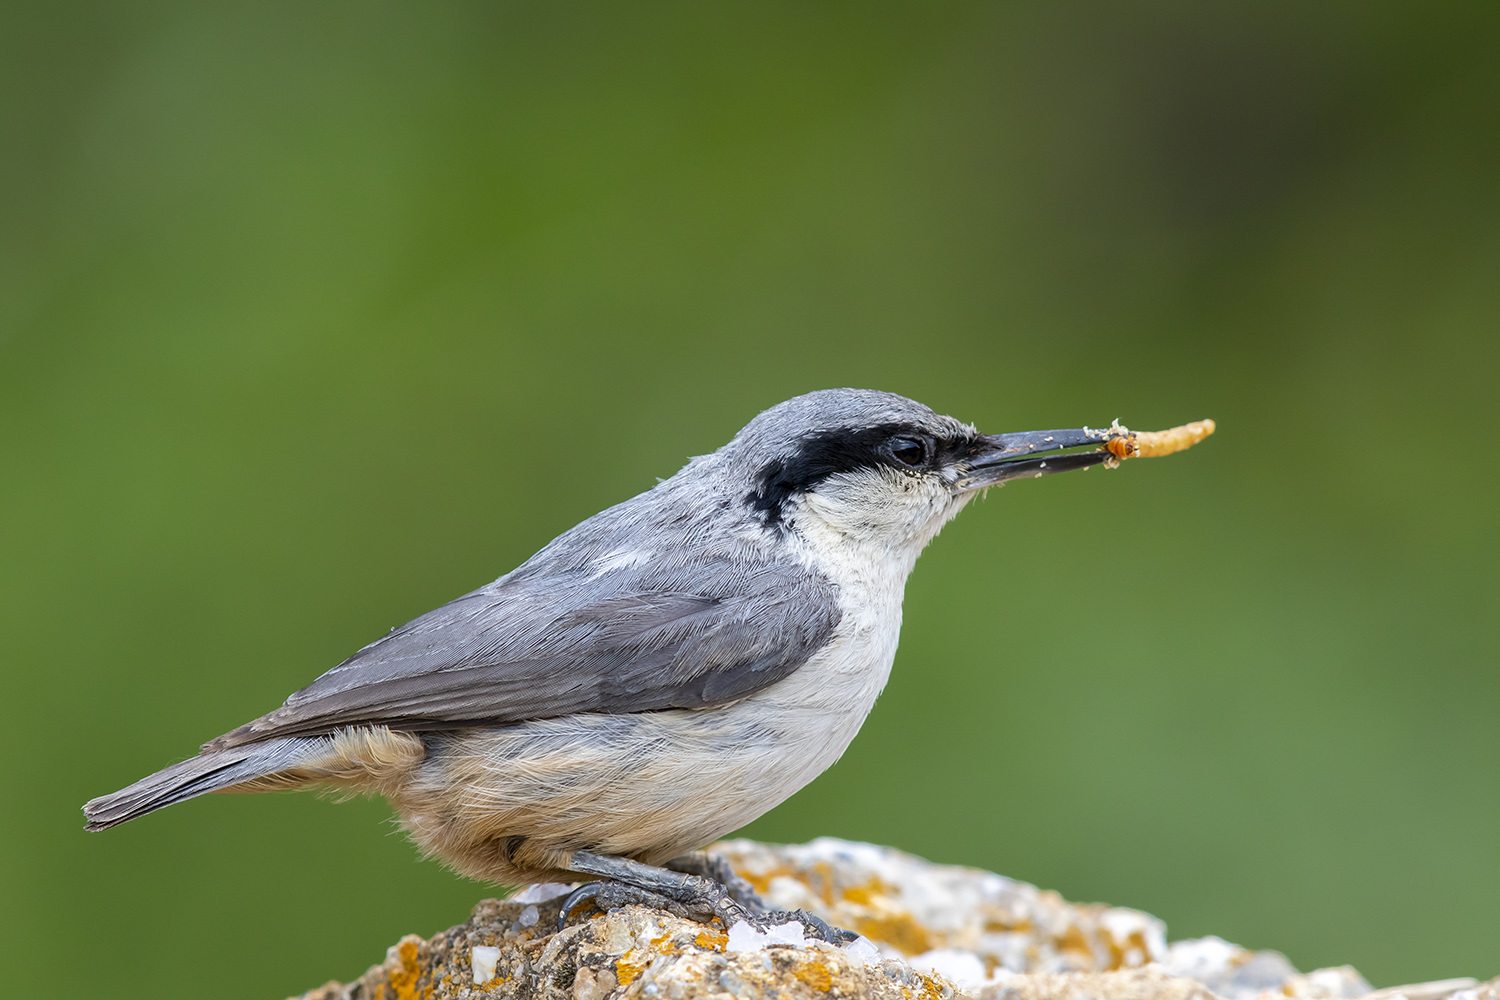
653, 678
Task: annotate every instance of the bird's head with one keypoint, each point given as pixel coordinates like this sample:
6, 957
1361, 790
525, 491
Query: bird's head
878, 470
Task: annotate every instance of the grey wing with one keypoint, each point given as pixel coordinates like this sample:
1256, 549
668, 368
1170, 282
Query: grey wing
540, 646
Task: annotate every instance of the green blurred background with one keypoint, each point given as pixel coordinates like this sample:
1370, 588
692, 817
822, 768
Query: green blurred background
314, 316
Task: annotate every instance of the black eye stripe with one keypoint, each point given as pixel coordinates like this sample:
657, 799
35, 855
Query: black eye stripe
898, 446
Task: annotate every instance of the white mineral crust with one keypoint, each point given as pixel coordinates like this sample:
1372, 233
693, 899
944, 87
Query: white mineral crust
482, 960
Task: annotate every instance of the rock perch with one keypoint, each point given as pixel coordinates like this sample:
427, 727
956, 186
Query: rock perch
930, 932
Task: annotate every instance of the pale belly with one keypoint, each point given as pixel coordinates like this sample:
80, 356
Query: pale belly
652, 785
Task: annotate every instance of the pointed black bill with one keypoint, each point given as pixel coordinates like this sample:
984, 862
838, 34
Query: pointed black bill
1026, 455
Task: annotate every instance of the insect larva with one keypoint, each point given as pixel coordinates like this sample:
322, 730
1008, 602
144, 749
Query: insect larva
1154, 444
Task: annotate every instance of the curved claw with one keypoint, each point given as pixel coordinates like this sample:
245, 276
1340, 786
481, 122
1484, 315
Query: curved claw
825, 930
814, 925
583, 894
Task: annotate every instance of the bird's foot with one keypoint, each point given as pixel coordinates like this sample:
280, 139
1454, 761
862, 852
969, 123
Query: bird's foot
704, 908
692, 897
712, 866
715, 867
609, 895
813, 926
697, 887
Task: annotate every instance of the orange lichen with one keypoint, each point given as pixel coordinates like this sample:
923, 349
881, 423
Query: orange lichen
1073, 940
864, 895
824, 873
899, 930
1120, 951
626, 969
762, 881
931, 989
402, 982
712, 940
814, 974
1022, 926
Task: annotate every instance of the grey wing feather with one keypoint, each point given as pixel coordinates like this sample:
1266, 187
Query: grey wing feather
541, 645
207, 772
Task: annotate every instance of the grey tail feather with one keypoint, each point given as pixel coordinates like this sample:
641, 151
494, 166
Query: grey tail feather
207, 772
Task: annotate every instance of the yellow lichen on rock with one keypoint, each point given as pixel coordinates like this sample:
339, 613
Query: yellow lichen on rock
898, 930
403, 972
710, 940
933, 988
629, 966
941, 933
814, 974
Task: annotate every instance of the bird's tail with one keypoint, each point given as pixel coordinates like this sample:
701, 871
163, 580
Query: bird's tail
207, 772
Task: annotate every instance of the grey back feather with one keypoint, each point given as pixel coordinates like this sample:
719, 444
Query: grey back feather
687, 621
676, 598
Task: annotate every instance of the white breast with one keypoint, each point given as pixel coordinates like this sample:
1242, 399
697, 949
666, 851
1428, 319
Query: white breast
817, 711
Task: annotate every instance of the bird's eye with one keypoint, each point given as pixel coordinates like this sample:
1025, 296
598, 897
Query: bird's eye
909, 451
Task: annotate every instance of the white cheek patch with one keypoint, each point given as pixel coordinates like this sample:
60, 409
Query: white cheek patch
883, 508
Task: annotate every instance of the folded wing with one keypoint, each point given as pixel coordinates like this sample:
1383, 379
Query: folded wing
543, 645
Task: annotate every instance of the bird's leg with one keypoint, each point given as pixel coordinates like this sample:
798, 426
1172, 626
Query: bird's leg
694, 897
714, 867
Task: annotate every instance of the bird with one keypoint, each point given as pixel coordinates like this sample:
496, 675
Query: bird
655, 677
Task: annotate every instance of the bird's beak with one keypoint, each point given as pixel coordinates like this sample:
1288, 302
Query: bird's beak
999, 458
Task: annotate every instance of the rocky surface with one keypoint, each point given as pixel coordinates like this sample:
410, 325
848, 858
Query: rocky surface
929, 932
